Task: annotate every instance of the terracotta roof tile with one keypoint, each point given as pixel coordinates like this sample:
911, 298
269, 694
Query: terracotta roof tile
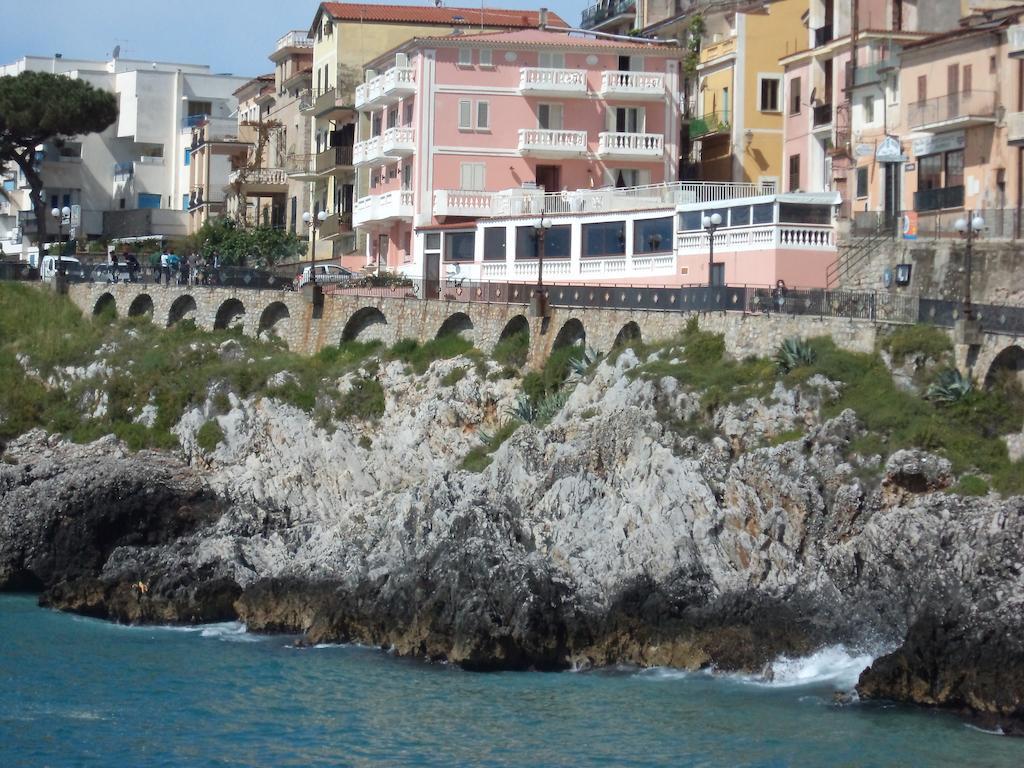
423, 14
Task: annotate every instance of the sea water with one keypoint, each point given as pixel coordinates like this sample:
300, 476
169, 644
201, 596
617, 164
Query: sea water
81, 692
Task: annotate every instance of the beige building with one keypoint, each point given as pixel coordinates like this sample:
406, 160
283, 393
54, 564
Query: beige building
346, 36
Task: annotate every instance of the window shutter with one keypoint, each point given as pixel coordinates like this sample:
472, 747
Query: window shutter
465, 114
483, 115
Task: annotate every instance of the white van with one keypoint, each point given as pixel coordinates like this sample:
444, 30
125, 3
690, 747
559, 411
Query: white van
72, 267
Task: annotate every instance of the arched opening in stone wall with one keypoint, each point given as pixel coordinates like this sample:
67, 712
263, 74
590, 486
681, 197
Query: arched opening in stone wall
274, 320
572, 334
628, 334
458, 324
183, 308
368, 324
141, 305
230, 315
105, 305
517, 325
1009, 363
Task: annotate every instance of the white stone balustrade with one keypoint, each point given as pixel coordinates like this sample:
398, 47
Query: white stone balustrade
633, 85
637, 146
544, 81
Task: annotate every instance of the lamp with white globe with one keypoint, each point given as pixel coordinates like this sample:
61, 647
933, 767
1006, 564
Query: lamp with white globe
61, 215
969, 231
313, 222
540, 230
710, 224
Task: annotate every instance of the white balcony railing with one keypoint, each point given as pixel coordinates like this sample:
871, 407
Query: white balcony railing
1015, 127
539, 141
457, 202
554, 82
388, 206
259, 176
388, 87
398, 141
297, 38
368, 151
1015, 40
662, 264
630, 145
633, 85
762, 237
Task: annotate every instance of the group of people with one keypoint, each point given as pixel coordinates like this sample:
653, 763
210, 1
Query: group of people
193, 269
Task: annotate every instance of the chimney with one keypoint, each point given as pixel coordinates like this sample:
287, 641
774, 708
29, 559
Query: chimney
543, 18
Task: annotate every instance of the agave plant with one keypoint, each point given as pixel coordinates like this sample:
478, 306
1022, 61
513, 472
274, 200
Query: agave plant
523, 409
578, 366
793, 353
551, 405
950, 386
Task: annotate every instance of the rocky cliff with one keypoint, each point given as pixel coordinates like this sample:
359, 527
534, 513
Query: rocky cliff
611, 534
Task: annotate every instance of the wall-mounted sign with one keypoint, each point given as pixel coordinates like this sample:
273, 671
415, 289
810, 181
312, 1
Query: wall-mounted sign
940, 142
889, 151
863, 150
910, 225
903, 274
910, 167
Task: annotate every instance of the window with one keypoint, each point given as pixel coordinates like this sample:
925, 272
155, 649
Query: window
862, 181
188, 156
432, 241
769, 93
627, 120
147, 200
486, 57
549, 117
739, 216
794, 96
965, 83
922, 87
375, 124
796, 213
929, 172
627, 177
465, 114
407, 112
407, 176
725, 105
794, 173
869, 109
471, 176
392, 117
494, 244
549, 60
557, 242
955, 168
465, 57
460, 246
762, 213
652, 235
483, 115
606, 238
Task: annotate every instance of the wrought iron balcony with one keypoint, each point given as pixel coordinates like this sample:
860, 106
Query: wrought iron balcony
939, 198
822, 115
954, 109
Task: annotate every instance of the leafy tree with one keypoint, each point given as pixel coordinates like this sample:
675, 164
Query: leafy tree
261, 247
36, 107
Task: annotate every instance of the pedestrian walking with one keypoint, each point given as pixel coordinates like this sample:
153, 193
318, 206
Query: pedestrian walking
165, 267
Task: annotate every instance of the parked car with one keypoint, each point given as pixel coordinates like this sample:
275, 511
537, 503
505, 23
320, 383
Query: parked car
325, 273
72, 267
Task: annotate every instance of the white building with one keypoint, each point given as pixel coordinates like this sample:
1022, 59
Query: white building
133, 178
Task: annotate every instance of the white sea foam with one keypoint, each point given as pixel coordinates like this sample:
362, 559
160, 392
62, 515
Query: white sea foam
229, 631
835, 664
997, 731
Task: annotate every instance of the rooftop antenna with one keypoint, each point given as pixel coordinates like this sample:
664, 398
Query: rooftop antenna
116, 53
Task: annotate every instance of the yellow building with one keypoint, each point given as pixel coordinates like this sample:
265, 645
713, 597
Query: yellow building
345, 37
734, 100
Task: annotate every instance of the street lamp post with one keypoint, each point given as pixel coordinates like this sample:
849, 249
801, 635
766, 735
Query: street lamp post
60, 214
969, 228
313, 222
539, 301
710, 224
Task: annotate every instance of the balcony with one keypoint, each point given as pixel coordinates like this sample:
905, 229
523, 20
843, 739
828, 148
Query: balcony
298, 38
630, 146
389, 206
539, 142
711, 124
387, 88
1015, 40
823, 35
333, 158
1015, 128
955, 110
543, 81
760, 237
398, 141
123, 171
633, 85
821, 115
335, 226
457, 202
368, 152
595, 16
259, 177
718, 50
301, 167
938, 199
326, 103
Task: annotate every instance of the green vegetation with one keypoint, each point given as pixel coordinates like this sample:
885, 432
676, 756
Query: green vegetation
261, 246
364, 401
970, 485
512, 350
793, 353
786, 437
950, 386
479, 458
420, 356
453, 377
209, 435
915, 340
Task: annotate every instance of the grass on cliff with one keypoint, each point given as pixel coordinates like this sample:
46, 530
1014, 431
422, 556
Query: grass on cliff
912, 340
479, 458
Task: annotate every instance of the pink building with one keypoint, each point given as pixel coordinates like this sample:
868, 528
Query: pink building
446, 124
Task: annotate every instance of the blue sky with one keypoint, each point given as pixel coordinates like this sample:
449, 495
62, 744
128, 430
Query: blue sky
230, 35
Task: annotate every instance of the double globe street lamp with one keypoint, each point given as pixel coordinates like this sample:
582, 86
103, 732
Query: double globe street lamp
969, 228
61, 214
710, 224
313, 222
539, 300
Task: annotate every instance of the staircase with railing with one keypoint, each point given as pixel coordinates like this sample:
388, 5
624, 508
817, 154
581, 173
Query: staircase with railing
853, 256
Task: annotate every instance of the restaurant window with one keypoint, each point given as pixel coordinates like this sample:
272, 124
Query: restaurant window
494, 244
929, 172
739, 216
605, 238
762, 213
652, 235
795, 213
459, 246
557, 242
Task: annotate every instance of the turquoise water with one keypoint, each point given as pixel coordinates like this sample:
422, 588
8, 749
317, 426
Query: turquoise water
79, 692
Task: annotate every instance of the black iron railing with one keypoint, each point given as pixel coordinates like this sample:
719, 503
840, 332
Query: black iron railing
939, 198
